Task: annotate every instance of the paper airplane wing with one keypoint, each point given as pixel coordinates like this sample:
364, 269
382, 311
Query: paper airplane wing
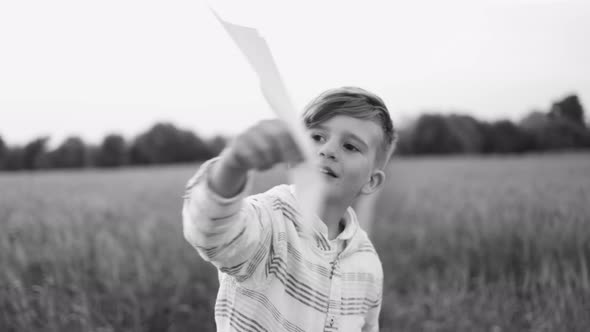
305, 176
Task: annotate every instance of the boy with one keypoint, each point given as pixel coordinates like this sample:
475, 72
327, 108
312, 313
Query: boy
278, 272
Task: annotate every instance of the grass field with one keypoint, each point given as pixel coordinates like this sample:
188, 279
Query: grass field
499, 244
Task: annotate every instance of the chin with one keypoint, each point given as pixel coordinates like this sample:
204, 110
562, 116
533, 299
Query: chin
333, 192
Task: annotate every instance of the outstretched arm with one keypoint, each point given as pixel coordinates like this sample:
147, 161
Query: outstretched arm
227, 229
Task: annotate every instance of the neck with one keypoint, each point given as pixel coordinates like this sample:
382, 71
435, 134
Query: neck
331, 215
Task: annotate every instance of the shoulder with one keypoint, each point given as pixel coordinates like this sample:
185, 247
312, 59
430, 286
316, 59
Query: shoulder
367, 254
281, 192
277, 199
278, 210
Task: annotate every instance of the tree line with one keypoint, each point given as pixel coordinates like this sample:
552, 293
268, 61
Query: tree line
563, 127
163, 143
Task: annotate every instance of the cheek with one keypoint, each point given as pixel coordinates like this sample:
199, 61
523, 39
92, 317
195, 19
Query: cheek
358, 170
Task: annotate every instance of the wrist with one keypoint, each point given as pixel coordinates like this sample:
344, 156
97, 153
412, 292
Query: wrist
227, 178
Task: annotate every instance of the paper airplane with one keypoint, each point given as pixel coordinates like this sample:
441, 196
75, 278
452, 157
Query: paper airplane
307, 178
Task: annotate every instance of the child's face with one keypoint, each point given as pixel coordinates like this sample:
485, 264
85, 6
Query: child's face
347, 148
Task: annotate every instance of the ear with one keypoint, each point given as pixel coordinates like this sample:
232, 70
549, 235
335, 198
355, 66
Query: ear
375, 182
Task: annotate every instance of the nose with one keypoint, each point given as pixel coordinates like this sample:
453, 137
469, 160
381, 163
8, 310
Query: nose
327, 150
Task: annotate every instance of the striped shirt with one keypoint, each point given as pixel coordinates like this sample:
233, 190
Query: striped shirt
277, 273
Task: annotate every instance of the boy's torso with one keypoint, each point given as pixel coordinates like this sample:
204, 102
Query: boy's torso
306, 284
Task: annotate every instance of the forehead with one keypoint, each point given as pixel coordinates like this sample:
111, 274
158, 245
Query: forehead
368, 131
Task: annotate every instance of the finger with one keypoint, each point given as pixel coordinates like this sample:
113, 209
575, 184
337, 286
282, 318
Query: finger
289, 150
242, 155
281, 143
261, 151
286, 143
273, 134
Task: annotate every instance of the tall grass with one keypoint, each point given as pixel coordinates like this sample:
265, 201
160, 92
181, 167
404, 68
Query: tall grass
497, 244
486, 245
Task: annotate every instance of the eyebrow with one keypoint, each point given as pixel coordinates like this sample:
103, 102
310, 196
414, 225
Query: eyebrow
358, 139
348, 134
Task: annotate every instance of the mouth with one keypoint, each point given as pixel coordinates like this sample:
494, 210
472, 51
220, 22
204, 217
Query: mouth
328, 171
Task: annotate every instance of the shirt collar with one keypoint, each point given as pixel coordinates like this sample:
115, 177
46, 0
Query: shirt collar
350, 225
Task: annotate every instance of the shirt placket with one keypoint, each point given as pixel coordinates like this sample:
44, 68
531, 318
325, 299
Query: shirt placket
333, 314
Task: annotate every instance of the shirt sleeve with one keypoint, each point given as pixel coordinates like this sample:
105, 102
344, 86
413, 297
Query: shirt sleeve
372, 319
372, 316
232, 233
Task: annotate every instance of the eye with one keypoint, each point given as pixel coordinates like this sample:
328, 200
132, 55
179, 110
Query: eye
317, 138
351, 147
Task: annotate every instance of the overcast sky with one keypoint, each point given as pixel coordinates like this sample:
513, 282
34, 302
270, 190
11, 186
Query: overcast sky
93, 67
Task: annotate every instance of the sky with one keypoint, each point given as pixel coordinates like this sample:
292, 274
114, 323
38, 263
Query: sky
90, 68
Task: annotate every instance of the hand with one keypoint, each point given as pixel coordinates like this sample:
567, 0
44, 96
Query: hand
262, 146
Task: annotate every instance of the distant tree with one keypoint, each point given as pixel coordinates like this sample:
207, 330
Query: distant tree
112, 152
569, 109
164, 143
428, 135
563, 127
3, 149
562, 134
71, 153
437, 134
534, 120
34, 152
92, 155
469, 133
506, 137
404, 141
13, 158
